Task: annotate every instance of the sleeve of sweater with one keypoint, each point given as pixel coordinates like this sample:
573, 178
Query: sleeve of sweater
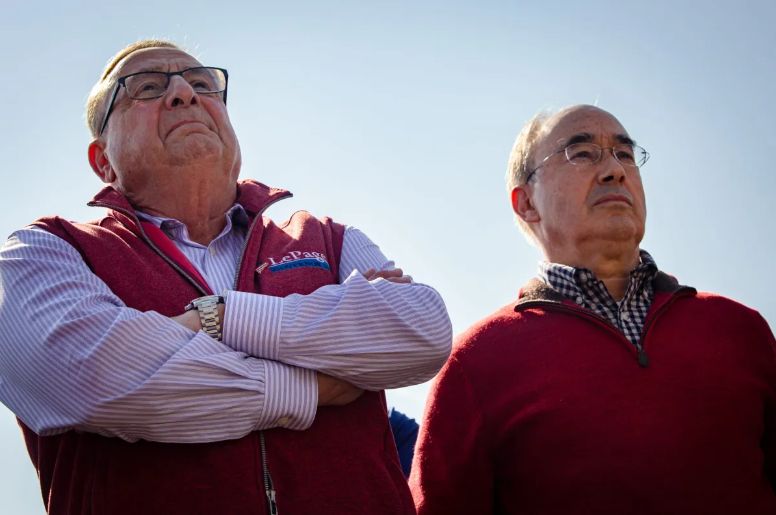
769, 437
452, 471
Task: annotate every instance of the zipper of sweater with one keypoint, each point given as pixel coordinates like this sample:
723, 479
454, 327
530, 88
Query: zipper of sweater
681, 292
268, 487
641, 355
250, 232
157, 249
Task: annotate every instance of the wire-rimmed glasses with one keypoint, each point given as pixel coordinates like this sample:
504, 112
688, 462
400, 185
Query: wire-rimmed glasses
585, 154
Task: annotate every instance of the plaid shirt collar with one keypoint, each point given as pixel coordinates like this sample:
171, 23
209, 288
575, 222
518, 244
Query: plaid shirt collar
583, 287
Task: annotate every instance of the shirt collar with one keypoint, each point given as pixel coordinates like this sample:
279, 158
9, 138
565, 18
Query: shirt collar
571, 281
236, 217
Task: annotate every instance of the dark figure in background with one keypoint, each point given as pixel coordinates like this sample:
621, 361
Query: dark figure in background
405, 433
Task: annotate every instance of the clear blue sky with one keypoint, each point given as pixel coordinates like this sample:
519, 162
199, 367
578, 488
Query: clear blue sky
397, 117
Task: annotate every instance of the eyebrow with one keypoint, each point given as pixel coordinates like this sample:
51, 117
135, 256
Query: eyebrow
586, 137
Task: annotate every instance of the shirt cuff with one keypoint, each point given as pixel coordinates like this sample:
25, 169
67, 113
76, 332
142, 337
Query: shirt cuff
290, 397
252, 323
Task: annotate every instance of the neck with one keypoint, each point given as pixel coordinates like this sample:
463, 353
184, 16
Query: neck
200, 209
611, 264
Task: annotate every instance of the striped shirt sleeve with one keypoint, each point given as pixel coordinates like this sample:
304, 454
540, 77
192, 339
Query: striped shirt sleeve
374, 334
75, 357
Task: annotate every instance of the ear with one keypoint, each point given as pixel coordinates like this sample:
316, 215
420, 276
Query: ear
523, 206
99, 161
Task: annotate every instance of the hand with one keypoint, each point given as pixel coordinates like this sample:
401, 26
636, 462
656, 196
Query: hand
395, 276
335, 392
189, 319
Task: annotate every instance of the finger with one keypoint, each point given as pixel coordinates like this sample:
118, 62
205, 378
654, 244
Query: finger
405, 279
385, 274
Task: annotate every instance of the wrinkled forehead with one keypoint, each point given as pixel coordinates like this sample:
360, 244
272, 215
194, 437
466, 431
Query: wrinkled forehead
155, 59
573, 121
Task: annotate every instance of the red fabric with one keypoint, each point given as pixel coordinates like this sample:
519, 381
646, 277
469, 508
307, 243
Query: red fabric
345, 463
168, 248
545, 410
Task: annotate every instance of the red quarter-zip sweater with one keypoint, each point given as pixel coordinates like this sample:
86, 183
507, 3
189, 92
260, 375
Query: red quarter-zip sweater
543, 408
346, 462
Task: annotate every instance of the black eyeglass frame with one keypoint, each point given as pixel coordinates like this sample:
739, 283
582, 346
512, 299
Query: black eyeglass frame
565, 151
122, 82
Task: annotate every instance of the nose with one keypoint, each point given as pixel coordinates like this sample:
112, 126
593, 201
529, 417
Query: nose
610, 169
179, 93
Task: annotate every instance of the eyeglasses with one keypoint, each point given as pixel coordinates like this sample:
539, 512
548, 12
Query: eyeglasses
149, 85
585, 154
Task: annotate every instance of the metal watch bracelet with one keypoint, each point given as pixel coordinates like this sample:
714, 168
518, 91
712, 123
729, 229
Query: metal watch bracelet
208, 314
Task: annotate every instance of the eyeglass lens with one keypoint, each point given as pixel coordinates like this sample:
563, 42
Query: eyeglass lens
146, 85
589, 153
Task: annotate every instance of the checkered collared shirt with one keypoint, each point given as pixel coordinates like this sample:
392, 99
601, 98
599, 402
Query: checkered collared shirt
584, 288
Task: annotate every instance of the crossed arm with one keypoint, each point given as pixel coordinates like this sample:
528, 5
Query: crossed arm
331, 391
75, 357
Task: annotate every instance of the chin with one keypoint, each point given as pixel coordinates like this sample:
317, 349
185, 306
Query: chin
196, 149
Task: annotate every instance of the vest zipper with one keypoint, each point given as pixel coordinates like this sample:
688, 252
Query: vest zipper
268, 487
250, 233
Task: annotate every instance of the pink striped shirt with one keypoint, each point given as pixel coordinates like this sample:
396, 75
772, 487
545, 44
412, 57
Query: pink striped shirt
153, 379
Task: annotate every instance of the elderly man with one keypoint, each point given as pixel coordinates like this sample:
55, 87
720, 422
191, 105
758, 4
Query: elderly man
264, 399
607, 387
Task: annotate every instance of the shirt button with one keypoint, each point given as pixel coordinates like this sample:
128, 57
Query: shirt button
212, 250
625, 316
580, 300
283, 421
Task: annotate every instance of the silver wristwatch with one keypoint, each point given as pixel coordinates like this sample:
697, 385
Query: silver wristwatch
208, 314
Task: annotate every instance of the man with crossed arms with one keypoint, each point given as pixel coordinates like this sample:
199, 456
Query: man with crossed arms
607, 387
264, 398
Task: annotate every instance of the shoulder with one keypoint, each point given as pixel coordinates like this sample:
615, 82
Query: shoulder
729, 309
488, 332
722, 319
304, 218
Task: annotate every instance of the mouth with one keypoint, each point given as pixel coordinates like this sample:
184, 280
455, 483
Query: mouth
183, 123
608, 199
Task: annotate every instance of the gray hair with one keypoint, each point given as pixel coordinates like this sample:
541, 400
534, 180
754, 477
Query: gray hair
521, 159
98, 97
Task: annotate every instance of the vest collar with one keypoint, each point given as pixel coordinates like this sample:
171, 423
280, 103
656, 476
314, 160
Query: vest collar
252, 195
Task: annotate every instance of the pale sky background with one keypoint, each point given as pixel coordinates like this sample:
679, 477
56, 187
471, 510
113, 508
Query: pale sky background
398, 117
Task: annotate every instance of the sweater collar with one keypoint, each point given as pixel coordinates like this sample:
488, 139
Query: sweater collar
537, 290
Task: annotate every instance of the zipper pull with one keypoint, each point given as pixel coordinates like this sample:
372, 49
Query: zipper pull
273, 507
642, 357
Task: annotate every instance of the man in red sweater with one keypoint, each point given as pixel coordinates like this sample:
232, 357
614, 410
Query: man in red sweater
606, 387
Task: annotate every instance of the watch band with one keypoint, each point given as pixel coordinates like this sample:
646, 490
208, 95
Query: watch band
208, 314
